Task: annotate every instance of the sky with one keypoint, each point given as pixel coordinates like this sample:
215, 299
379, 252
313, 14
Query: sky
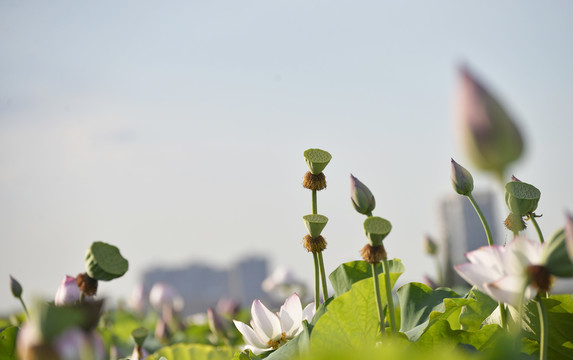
175, 130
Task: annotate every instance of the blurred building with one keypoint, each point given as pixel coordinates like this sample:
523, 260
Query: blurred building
463, 230
201, 286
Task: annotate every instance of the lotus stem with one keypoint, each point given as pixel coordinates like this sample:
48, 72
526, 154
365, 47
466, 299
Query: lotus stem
388, 283
543, 339
378, 299
536, 226
323, 277
316, 281
482, 218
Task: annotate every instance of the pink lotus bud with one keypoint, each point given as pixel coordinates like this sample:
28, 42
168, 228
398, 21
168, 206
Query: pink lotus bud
361, 197
164, 295
491, 138
72, 343
68, 292
137, 298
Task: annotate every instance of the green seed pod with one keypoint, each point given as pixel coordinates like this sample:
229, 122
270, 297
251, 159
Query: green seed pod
376, 229
104, 262
462, 180
521, 198
316, 160
555, 257
315, 224
139, 335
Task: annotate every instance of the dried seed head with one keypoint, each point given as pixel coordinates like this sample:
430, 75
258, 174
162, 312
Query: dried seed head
315, 245
86, 284
514, 223
314, 182
373, 254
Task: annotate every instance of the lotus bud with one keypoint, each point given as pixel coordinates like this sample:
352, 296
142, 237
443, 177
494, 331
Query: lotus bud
361, 197
569, 235
228, 306
137, 298
555, 255
430, 245
15, 287
491, 138
315, 224
68, 292
376, 229
513, 178
162, 295
216, 322
462, 180
521, 198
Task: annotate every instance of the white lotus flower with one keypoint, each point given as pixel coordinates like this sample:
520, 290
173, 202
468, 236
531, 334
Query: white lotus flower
68, 292
268, 331
503, 272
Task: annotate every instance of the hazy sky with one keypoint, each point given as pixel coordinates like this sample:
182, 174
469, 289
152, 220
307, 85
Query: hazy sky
175, 129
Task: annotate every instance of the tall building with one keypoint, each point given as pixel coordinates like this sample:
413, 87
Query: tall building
463, 230
202, 286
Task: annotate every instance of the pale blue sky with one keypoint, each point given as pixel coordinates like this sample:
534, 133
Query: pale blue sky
175, 130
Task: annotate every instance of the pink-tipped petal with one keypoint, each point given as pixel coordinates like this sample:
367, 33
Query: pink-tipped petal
251, 338
477, 275
308, 312
488, 256
291, 315
266, 324
569, 235
508, 290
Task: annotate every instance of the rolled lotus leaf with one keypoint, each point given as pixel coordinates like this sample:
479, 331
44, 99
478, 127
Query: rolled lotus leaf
315, 223
521, 198
376, 229
104, 262
555, 257
317, 160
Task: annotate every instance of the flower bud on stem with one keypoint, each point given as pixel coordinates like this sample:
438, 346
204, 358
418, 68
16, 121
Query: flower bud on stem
16, 289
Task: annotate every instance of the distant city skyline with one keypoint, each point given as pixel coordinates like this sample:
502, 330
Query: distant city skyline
175, 130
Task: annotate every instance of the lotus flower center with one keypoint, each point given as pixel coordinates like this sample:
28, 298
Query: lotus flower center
275, 344
539, 277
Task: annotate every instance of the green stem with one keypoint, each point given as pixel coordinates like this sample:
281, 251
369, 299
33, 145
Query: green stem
314, 202
482, 218
388, 284
24, 306
536, 226
519, 321
543, 338
316, 282
378, 299
323, 277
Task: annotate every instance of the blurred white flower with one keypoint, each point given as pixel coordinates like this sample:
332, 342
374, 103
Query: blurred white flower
137, 298
281, 283
68, 292
268, 331
504, 272
163, 295
74, 342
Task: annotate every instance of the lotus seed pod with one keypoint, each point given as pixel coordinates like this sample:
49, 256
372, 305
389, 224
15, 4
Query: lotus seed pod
104, 262
315, 224
376, 229
361, 197
15, 287
462, 180
521, 198
490, 136
139, 335
316, 160
555, 256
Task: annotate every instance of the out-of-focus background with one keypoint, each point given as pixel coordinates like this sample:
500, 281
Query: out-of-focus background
175, 130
